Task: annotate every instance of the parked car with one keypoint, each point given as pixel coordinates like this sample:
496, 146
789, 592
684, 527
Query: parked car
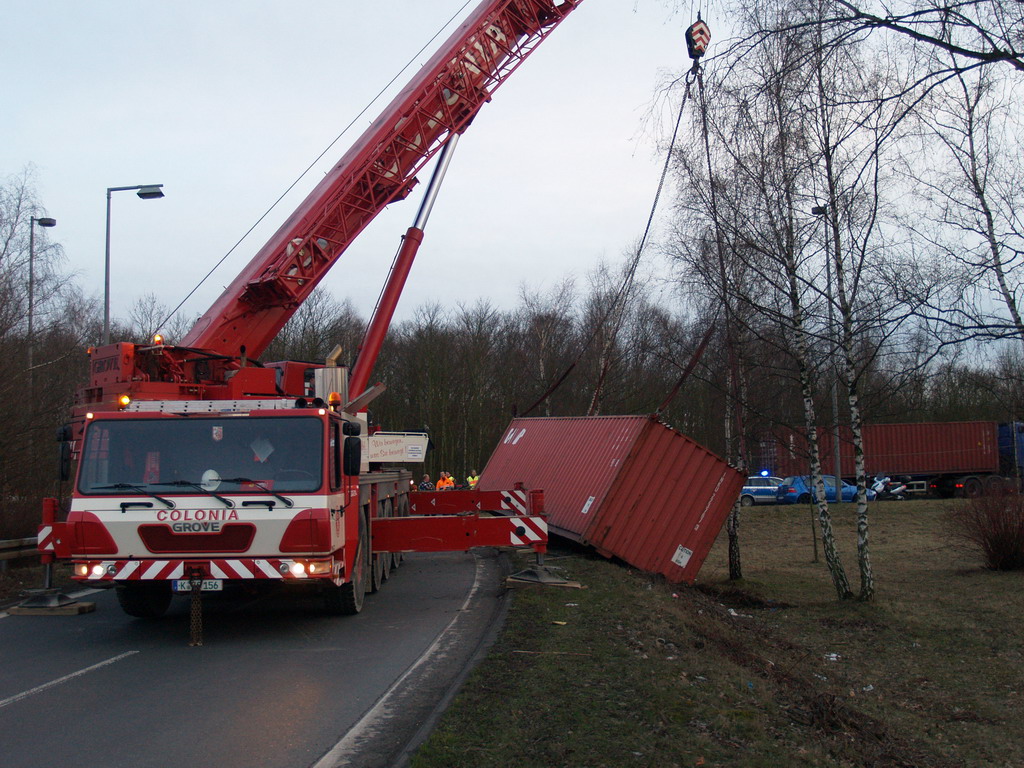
759, 490
797, 490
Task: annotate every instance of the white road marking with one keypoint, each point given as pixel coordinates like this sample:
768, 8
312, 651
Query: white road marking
344, 749
59, 680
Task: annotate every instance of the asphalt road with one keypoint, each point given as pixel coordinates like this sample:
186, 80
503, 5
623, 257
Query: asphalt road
274, 684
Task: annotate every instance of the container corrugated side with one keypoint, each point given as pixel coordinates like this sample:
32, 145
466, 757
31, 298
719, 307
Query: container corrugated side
899, 449
575, 461
946, 447
628, 485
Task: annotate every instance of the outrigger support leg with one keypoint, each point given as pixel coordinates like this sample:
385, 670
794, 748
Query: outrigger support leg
49, 600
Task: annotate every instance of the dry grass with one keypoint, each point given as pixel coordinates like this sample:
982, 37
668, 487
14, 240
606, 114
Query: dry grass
769, 671
940, 645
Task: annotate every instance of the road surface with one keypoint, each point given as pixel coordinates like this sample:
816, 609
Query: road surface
275, 684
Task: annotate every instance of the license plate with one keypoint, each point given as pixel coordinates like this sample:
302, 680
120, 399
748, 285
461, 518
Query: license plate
209, 585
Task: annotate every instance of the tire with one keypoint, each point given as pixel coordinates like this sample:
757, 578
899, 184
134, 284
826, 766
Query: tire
973, 488
144, 599
402, 511
347, 600
804, 498
377, 563
746, 501
376, 574
994, 485
386, 557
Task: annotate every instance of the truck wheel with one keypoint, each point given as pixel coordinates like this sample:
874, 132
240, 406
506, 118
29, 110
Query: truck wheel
347, 600
144, 599
387, 510
401, 511
994, 485
377, 573
746, 501
972, 488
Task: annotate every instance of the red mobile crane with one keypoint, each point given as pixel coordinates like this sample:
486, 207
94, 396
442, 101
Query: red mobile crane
198, 466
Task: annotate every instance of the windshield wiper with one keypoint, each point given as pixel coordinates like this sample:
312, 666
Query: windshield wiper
189, 484
131, 487
287, 502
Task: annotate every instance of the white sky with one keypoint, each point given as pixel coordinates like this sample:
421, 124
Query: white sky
225, 102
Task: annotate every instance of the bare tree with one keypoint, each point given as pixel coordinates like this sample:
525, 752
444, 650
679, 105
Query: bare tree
44, 366
973, 194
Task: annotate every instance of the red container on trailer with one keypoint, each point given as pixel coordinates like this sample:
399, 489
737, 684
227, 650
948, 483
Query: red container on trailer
627, 485
898, 449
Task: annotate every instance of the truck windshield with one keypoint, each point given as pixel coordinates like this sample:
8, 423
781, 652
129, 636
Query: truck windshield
228, 455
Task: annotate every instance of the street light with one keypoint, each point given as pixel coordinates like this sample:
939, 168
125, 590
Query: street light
822, 210
42, 221
146, 192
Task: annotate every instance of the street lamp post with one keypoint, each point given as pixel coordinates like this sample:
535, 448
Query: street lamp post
146, 192
42, 221
822, 210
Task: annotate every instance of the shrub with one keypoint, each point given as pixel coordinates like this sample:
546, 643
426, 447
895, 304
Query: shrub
993, 524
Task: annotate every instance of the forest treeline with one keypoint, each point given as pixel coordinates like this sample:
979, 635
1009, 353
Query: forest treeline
846, 211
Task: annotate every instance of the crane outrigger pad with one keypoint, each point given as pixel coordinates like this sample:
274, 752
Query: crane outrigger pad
50, 602
541, 574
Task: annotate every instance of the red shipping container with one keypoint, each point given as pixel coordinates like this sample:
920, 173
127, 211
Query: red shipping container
898, 449
627, 485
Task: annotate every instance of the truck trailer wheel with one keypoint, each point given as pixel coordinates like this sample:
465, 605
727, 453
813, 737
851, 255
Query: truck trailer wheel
387, 557
401, 511
144, 599
347, 600
972, 487
377, 573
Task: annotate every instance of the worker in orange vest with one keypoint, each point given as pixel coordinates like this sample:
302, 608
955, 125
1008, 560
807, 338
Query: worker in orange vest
445, 482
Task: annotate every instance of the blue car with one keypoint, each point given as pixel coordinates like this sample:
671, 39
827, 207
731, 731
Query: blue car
797, 490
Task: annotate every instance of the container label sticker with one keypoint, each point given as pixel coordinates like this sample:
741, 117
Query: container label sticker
513, 436
586, 507
682, 556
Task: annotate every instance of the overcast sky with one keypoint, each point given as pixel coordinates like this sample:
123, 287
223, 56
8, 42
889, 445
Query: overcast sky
226, 102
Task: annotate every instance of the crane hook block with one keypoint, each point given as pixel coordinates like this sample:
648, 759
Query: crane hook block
697, 38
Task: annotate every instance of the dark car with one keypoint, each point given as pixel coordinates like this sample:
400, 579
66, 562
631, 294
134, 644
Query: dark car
797, 490
759, 489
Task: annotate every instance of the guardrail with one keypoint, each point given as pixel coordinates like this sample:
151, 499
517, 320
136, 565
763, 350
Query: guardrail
15, 548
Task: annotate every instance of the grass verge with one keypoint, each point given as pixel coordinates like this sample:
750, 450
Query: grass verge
632, 671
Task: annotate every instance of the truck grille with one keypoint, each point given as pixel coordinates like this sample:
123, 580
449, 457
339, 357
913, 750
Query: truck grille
232, 537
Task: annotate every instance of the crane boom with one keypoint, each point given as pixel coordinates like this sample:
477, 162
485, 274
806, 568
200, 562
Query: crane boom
380, 168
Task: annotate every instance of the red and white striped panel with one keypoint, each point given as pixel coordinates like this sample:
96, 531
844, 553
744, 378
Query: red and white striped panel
536, 529
147, 570
44, 539
249, 569
514, 500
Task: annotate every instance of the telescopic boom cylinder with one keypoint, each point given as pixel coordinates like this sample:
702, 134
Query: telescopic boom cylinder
381, 320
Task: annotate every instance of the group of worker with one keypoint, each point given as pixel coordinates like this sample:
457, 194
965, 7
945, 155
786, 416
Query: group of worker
446, 482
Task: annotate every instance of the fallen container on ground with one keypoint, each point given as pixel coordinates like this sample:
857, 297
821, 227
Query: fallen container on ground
629, 486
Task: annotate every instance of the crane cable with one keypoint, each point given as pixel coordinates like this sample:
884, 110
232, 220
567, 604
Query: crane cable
698, 353
697, 38
618, 307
